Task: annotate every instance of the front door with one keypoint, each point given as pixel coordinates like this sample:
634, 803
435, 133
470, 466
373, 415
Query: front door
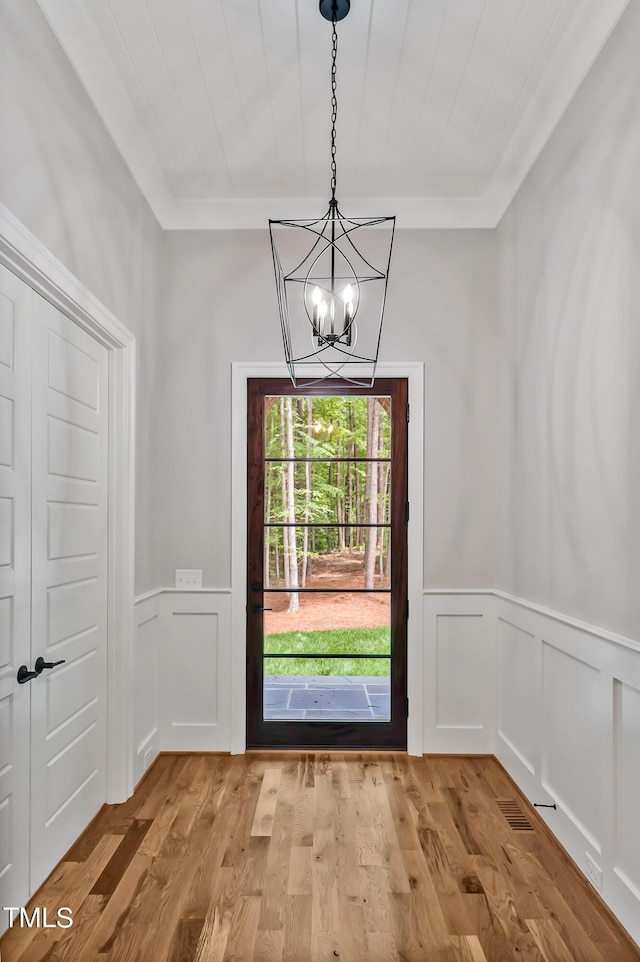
327, 565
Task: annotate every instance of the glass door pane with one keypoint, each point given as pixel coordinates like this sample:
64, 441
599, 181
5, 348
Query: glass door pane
327, 543
327, 660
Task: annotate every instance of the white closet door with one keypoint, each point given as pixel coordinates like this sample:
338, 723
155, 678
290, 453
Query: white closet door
15, 577
69, 583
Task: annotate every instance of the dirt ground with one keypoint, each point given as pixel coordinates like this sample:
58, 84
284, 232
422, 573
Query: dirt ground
325, 611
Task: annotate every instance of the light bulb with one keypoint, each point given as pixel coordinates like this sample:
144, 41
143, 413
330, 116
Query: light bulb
347, 297
322, 310
316, 296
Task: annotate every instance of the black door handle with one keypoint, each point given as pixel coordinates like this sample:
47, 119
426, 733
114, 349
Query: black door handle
41, 664
256, 608
24, 675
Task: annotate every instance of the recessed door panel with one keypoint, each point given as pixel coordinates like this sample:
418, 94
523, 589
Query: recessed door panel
73, 371
69, 771
7, 507
71, 609
73, 530
6, 432
69, 689
6, 630
73, 451
7, 325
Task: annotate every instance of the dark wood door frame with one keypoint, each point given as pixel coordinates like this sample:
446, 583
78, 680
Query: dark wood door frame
374, 735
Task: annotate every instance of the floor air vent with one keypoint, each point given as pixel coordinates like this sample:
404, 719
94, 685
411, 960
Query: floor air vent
514, 815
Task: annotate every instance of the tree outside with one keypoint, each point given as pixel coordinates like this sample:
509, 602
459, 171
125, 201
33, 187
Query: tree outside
327, 510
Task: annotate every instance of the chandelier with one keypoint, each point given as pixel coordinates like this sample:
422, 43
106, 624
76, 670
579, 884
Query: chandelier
331, 294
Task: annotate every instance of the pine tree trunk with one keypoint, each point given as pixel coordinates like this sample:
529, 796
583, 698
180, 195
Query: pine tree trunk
359, 512
294, 598
307, 493
267, 533
350, 517
283, 480
356, 532
371, 493
330, 537
385, 539
380, 519
339, 498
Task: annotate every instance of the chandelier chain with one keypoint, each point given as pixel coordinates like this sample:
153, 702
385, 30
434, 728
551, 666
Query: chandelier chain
334, 105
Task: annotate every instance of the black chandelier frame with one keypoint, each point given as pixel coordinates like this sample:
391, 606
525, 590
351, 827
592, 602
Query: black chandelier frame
331, 268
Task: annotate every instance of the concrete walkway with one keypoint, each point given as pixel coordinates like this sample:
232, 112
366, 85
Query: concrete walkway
326, 698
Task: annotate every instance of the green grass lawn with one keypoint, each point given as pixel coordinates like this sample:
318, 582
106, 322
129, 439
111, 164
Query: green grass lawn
373, 641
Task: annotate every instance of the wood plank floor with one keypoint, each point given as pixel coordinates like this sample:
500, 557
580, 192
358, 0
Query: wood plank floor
307, 856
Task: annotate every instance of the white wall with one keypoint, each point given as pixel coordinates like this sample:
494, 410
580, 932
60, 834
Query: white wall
62, 177
567, 688
219, 305
570, 248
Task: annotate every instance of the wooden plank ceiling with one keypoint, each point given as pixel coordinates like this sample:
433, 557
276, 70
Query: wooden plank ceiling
221, 108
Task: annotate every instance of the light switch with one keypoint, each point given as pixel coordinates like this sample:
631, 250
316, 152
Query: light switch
188, 577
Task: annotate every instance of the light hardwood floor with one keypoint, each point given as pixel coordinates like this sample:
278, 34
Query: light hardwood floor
303, 857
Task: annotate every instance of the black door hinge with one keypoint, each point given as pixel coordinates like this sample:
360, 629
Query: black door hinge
408, 412
407, 510
407, 610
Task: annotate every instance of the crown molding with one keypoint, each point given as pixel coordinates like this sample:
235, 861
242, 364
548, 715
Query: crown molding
410, 212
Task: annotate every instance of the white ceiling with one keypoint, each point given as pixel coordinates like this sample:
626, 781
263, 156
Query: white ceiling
221, 108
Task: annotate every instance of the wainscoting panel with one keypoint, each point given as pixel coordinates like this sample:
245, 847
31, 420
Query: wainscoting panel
626, 774
145, 668
195, 671
568, 733
627, 742
459, 636
572, 739
519, 682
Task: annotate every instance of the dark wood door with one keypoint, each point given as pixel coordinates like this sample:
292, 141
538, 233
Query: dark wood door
353, 710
